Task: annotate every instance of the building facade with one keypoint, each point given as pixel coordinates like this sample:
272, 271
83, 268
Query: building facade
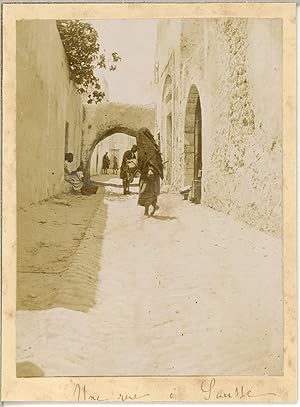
219, 114
49, 112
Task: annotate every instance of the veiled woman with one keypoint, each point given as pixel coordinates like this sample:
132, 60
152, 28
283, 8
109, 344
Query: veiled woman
151, 170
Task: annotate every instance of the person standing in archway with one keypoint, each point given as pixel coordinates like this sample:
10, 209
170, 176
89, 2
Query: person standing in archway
128, 168
105, 163
115, 165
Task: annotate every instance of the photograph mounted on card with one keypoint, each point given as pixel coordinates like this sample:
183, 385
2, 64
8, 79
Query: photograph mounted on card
149, 241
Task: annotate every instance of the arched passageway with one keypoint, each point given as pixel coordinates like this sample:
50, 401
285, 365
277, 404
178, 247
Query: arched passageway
115, 142
193, 144
105, 119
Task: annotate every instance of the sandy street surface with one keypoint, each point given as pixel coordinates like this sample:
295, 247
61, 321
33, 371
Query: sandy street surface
113, 180
49, 234
189, 292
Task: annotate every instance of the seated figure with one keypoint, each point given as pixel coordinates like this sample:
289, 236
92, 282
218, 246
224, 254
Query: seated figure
76, 178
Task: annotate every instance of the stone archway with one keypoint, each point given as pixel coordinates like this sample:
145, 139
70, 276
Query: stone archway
193, 144
102, 136
101, 121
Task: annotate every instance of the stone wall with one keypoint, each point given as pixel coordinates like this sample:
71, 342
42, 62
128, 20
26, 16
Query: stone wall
235, 64
46, 101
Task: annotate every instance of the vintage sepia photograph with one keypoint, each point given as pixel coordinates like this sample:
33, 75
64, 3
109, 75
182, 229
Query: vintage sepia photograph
150, 200
149, 191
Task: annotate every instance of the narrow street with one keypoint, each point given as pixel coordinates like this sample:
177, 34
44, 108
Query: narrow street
188, 292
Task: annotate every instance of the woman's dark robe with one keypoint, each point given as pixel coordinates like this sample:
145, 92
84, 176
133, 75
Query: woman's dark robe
149, 158
105, 162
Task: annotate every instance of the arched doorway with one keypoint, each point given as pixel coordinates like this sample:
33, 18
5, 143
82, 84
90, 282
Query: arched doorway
193, 144
167, 127
115, 141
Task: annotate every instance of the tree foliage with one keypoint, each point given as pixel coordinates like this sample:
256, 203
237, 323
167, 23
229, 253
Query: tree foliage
81, 43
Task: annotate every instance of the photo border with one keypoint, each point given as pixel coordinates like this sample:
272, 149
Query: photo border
163, 388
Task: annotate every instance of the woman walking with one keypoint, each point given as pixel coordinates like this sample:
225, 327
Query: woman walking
151, 169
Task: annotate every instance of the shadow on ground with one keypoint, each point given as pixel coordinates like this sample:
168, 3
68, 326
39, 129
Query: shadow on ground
162, 217
52, 256
118, 196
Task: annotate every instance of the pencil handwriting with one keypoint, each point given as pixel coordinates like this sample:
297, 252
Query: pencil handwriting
80, 393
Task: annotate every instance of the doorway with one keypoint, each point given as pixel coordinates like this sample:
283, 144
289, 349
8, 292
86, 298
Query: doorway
115, 145
167, 128
193, 144
169, 148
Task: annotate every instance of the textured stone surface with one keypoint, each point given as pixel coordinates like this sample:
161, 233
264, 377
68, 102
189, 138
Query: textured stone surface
235, 64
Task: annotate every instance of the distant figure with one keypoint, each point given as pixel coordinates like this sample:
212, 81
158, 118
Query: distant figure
151, 169
115, 166
105, 163
128, 168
